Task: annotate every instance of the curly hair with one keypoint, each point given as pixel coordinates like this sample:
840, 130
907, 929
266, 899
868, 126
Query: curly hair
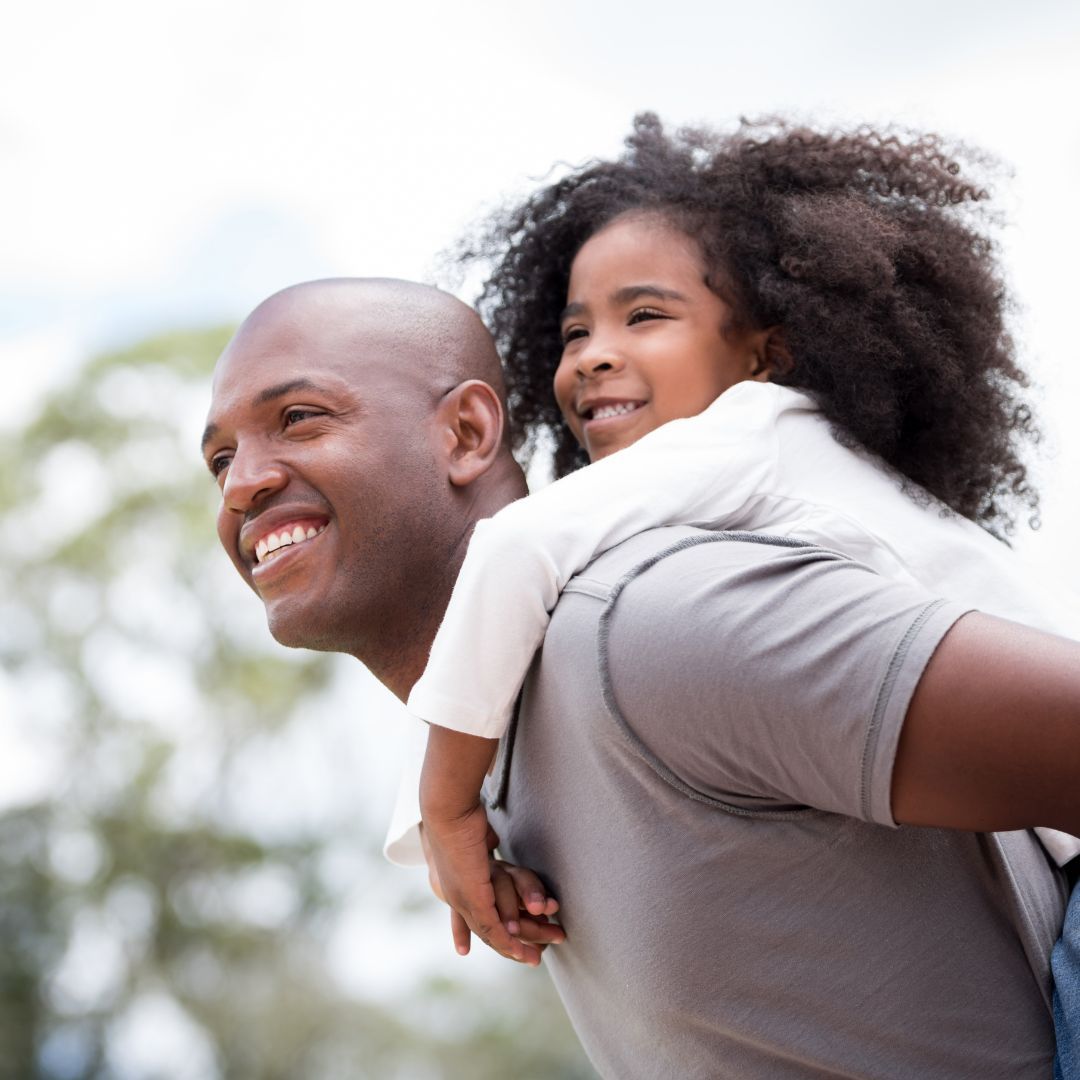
863, 246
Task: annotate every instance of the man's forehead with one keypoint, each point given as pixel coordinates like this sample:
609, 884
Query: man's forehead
268, 352
265, 365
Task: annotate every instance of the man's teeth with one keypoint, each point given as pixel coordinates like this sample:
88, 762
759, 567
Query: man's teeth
273, 541
602, 412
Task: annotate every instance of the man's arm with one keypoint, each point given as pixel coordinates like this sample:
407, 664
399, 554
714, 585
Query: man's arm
991, 739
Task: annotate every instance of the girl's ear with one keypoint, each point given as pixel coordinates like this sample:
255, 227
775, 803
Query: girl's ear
772, 355
471, 418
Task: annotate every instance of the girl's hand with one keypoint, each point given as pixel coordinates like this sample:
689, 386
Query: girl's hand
459, 850
458, 843
509, 908
528, 921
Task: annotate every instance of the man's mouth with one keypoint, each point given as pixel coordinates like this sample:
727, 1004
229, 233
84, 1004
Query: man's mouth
286, 536
609, 409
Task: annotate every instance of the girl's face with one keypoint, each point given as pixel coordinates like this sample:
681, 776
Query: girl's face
645, 340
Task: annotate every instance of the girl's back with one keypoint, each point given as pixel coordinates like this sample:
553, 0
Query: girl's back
850, 501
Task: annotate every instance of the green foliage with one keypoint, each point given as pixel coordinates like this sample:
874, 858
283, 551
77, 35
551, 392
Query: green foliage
132, 883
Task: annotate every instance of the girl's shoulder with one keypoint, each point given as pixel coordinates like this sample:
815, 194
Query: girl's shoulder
764, 402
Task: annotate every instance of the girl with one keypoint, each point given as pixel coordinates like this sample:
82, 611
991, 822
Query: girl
826, 304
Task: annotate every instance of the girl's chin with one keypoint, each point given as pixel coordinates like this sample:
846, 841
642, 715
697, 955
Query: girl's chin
607, 438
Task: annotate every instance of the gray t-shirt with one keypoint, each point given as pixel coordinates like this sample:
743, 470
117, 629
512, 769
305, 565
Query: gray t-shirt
701, 772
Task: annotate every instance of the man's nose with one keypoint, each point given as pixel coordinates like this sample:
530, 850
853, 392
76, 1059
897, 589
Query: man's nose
252, 476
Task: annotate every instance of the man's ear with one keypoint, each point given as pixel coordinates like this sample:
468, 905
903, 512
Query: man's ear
772, 355
471, 416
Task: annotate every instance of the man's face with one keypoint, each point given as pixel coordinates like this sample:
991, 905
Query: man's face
323, 448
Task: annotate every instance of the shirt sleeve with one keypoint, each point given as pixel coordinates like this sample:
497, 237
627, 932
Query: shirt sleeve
698, 470
402, 844
770, 678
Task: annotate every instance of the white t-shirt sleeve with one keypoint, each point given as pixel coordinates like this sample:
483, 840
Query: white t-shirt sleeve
402, 844
699, 470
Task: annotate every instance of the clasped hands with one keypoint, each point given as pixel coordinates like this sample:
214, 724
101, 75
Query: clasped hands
506, 906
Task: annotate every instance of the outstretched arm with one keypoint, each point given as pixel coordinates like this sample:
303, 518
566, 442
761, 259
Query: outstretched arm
991, 739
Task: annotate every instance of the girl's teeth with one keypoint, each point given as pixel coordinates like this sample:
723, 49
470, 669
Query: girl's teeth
612, 410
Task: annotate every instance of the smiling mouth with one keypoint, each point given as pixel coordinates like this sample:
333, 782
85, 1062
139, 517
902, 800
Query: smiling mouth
610, 410
275, 542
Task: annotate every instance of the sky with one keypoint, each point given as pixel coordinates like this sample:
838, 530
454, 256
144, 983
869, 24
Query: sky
168, 164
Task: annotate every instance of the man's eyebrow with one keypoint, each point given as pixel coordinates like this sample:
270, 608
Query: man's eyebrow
271, 393
208, 433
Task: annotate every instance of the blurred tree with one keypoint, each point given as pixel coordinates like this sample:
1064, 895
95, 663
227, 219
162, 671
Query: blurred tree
153, 923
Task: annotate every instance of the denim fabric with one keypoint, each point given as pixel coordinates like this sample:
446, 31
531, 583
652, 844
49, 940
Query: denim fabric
1065, 967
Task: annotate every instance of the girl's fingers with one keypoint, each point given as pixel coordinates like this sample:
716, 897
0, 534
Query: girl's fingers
459, 929
530, 889
540, 932
506, 899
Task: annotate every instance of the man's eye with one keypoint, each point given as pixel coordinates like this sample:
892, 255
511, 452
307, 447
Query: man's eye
218, 464
642, 314
295, 416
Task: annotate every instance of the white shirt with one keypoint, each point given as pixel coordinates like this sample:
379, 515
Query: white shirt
761, 458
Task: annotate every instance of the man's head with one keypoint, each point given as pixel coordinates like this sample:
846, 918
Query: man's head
356, 432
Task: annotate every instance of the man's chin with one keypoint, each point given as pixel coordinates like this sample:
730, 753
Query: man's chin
298, 628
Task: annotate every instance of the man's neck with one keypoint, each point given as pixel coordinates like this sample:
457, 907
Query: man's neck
398, 659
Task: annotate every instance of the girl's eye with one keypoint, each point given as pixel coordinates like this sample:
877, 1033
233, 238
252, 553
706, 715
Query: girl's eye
641, 314
572, 334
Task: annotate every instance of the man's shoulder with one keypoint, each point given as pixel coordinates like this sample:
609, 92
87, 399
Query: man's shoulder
755, 667
657, 550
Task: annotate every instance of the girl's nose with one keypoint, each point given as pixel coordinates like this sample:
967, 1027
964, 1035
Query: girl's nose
597, 357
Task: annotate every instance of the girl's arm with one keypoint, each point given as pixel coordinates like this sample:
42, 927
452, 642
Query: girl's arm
457, 843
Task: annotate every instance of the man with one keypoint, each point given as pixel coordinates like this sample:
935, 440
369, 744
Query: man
715, 742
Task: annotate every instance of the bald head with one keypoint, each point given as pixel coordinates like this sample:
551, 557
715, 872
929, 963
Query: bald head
438, 341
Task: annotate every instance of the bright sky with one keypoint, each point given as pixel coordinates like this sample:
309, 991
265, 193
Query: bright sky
175, 160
